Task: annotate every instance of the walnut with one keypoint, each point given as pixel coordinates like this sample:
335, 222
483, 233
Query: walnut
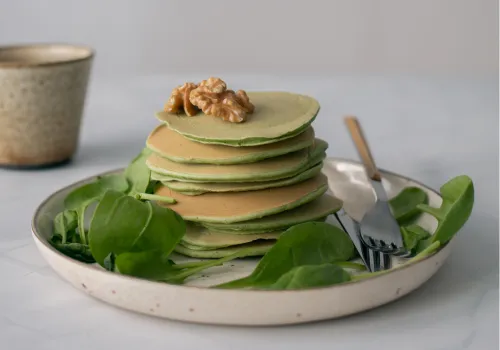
215, 85
212, 98
244, 101
180, 99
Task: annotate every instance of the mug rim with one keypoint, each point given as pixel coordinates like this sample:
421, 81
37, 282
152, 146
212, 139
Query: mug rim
89, 54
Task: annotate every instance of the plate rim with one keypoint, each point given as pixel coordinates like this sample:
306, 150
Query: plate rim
41, 240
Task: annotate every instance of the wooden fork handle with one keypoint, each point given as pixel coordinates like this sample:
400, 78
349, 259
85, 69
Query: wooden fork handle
362, 146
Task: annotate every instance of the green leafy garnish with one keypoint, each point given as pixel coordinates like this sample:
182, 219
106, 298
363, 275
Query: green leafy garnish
123, 224
138, 174
156, 266
455, 209
88, 192
154, 197
412, 235
310, 243
109, 262
151, 265
65, 224
428, 250
77, 251
405, 205
311, 276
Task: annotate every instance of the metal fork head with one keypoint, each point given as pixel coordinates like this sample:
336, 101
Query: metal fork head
373, 260
380, 230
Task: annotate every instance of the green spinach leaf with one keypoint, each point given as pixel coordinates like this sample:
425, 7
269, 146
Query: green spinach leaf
155, 197
412, 235
425, 251
154, 265
405, 205
311, 276
138, 174
455, 209
109, 262
151, 265
310, 243
81, 219
65, 224
123, 224
77, 251
94, 190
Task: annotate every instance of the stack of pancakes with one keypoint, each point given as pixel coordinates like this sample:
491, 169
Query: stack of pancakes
240, 185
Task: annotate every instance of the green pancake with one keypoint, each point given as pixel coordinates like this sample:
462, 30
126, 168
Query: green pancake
243, 206
258, 248
247, 232
195, 189
251, 231
277, 116
252, 143
200, 238
176, 148
312, 211
284, 166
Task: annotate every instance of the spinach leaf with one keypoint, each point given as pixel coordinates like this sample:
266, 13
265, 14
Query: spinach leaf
310, 243
154, 265
155, 197
310, 276
412, 235
77, 251
122, 224
109, 262
404, 205
83, 194
151, 265
81, 219
455, 209
425, 251
65, 224
138, 174
135, 179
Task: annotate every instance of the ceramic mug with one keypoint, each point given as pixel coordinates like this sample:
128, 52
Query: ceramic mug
42, 96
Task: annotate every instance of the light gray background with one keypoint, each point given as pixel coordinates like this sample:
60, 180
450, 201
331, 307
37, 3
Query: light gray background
421, 76
267, 36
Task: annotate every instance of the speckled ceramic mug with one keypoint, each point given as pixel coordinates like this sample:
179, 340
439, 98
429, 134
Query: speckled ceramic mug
42, 96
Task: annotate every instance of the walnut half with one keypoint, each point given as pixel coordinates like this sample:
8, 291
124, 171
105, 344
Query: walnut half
213, 98
180, 99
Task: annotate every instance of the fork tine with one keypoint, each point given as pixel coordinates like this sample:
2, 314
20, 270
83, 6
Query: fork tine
379, 261
375, 260
386, 262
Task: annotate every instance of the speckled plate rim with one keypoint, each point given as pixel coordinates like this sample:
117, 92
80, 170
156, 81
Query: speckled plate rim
238, 307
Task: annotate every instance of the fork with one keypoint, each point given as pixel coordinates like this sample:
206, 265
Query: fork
380, 230
373, 260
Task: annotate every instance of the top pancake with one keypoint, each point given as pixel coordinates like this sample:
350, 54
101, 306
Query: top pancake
277, 116
177, 148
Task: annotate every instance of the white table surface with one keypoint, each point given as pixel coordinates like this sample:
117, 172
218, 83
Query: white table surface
428, 129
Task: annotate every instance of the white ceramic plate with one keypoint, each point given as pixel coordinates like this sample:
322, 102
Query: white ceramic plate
195, 303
